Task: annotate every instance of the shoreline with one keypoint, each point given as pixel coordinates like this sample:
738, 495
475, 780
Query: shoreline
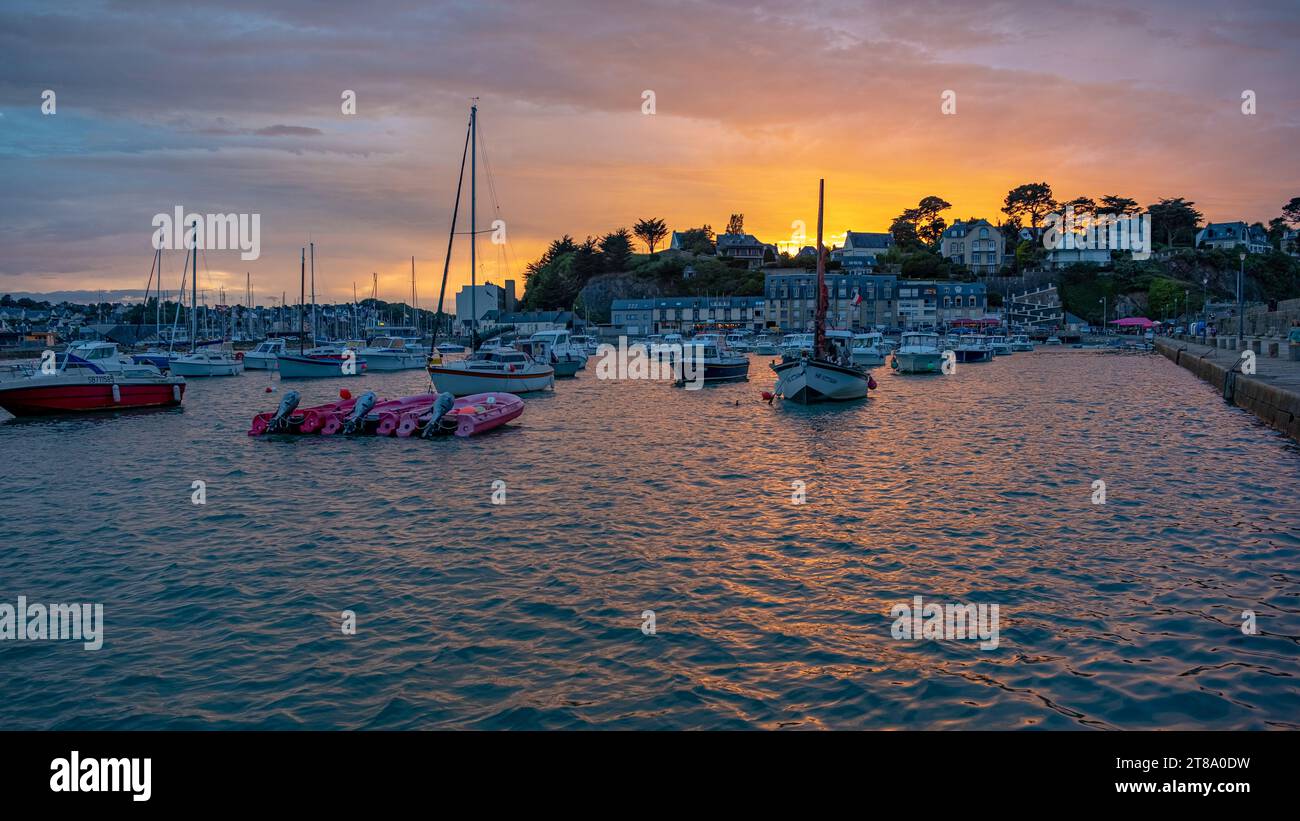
1272, 393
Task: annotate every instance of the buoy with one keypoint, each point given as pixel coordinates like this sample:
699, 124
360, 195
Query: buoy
871, 382
344, 393
768, 396
269, 388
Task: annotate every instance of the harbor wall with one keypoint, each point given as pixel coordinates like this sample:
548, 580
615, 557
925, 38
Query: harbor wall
1276, 406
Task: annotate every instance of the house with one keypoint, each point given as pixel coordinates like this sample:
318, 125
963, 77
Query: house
977, 244
681, 314
935, 304
475, 303
854, 300
1291, 242
743, 247
1228, 235
527, 323
862, 249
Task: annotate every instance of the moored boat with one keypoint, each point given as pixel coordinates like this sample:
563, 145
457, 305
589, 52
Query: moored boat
505, 371
825, 372
88, 376
212, 360
390, 353
715, 363
918, 352
868, 350
264, 355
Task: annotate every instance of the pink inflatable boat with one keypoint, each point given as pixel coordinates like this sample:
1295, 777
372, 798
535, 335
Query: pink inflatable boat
477, 413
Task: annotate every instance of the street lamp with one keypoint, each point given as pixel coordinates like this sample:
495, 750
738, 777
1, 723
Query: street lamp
1104, 327
1241, 300
1205, 308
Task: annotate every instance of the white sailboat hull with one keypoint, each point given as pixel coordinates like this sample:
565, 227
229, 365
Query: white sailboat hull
180, 367
260, 362
460, 382
393, 360
811, 380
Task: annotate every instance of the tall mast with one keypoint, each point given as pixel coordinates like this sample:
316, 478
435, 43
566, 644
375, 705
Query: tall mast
473, 226
819, 324
302, 297
413, 287
446, 265
194, 293
313, 294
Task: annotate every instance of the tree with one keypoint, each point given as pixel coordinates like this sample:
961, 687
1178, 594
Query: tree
903, 230
651, 232
1291, 212
616, 250
1117, 206
698, 240
736, 225
1174, 219
929, 225
1033, 200
1082, 205
1164, 297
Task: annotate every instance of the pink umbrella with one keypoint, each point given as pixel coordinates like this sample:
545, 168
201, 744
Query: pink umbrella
1129, 321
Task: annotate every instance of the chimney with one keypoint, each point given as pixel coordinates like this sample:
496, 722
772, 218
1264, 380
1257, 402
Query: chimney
510, 296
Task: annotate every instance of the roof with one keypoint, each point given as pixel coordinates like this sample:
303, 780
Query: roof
737, 241
553, 317
864, 240
961, 228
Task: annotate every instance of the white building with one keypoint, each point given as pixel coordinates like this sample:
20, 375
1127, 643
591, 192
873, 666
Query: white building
475, 303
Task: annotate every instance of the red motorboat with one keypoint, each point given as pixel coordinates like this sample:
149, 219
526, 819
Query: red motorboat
89, 376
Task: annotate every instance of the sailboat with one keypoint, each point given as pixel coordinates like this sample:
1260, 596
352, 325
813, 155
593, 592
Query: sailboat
822, 374
483, 371
204, 360
319, 362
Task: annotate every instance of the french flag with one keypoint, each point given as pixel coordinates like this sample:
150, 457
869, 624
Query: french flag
857, 297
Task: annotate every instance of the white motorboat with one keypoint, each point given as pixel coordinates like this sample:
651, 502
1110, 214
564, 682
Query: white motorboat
999, 345
764, 346
1020, 342
918, 352
214, 360
390, 353
504, 371
971, 348
451, 347
264, 357
739, 343
556, 349
793, 345
868, 349
1053, 340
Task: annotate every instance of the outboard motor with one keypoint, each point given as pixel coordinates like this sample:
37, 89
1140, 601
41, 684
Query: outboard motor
358, 416
287, 406
441, 407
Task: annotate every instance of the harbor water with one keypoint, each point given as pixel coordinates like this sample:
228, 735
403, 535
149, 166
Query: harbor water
622, 497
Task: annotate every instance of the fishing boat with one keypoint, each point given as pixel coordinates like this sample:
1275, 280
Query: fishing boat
1020, 342
718, 364
506, 371
263, 357
88, 376
557, 350
868, 350
816, 375
918, 352
389, 353
213, 360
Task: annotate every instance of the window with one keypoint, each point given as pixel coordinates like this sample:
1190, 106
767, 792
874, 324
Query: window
984, 232
972, 301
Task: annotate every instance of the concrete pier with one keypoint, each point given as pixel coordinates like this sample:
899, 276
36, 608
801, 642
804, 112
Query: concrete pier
1272, 393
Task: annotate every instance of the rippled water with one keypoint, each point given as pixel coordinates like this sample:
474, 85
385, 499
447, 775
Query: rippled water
625, 497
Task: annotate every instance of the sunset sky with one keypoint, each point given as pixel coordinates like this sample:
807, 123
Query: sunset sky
235, 107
